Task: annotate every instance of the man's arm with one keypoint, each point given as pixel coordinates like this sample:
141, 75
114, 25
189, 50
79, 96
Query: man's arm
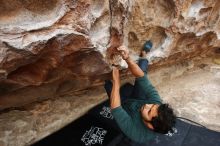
132, 66
123, 120
115, 100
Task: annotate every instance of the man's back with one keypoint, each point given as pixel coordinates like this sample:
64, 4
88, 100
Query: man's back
128, 115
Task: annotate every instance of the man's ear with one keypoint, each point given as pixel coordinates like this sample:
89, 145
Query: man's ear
150, 126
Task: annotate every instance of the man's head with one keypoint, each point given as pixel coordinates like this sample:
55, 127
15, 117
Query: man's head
159, 118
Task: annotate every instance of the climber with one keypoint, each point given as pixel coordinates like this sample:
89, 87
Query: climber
137, 109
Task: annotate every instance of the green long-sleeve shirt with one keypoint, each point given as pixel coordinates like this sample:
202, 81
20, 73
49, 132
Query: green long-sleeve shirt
128, 116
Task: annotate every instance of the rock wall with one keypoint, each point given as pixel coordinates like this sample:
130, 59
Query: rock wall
54, 47
57, 49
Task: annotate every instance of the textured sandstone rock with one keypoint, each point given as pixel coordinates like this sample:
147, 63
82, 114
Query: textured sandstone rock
49, 48
51, 45
55, 48
34, 122
188, 87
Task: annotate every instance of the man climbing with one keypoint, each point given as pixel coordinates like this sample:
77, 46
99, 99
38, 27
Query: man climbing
139, 111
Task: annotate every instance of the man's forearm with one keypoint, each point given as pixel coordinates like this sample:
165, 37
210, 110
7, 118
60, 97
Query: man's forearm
115, 100
134, 68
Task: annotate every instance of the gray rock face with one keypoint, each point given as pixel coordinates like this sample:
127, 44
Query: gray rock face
195, 95
56, 48
36, 121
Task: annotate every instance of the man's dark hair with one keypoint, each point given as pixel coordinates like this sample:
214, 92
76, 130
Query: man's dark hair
165, 120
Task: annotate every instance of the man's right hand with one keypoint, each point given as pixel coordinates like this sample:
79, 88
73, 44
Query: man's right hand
124, 52
133, 67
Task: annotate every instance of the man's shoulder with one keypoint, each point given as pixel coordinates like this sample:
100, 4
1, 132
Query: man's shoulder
142, 133
137, 131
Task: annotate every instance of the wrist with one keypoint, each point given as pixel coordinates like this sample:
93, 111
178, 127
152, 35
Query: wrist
128, 59
116, 83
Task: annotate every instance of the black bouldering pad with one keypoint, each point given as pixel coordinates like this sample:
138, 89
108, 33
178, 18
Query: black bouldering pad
98, 127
